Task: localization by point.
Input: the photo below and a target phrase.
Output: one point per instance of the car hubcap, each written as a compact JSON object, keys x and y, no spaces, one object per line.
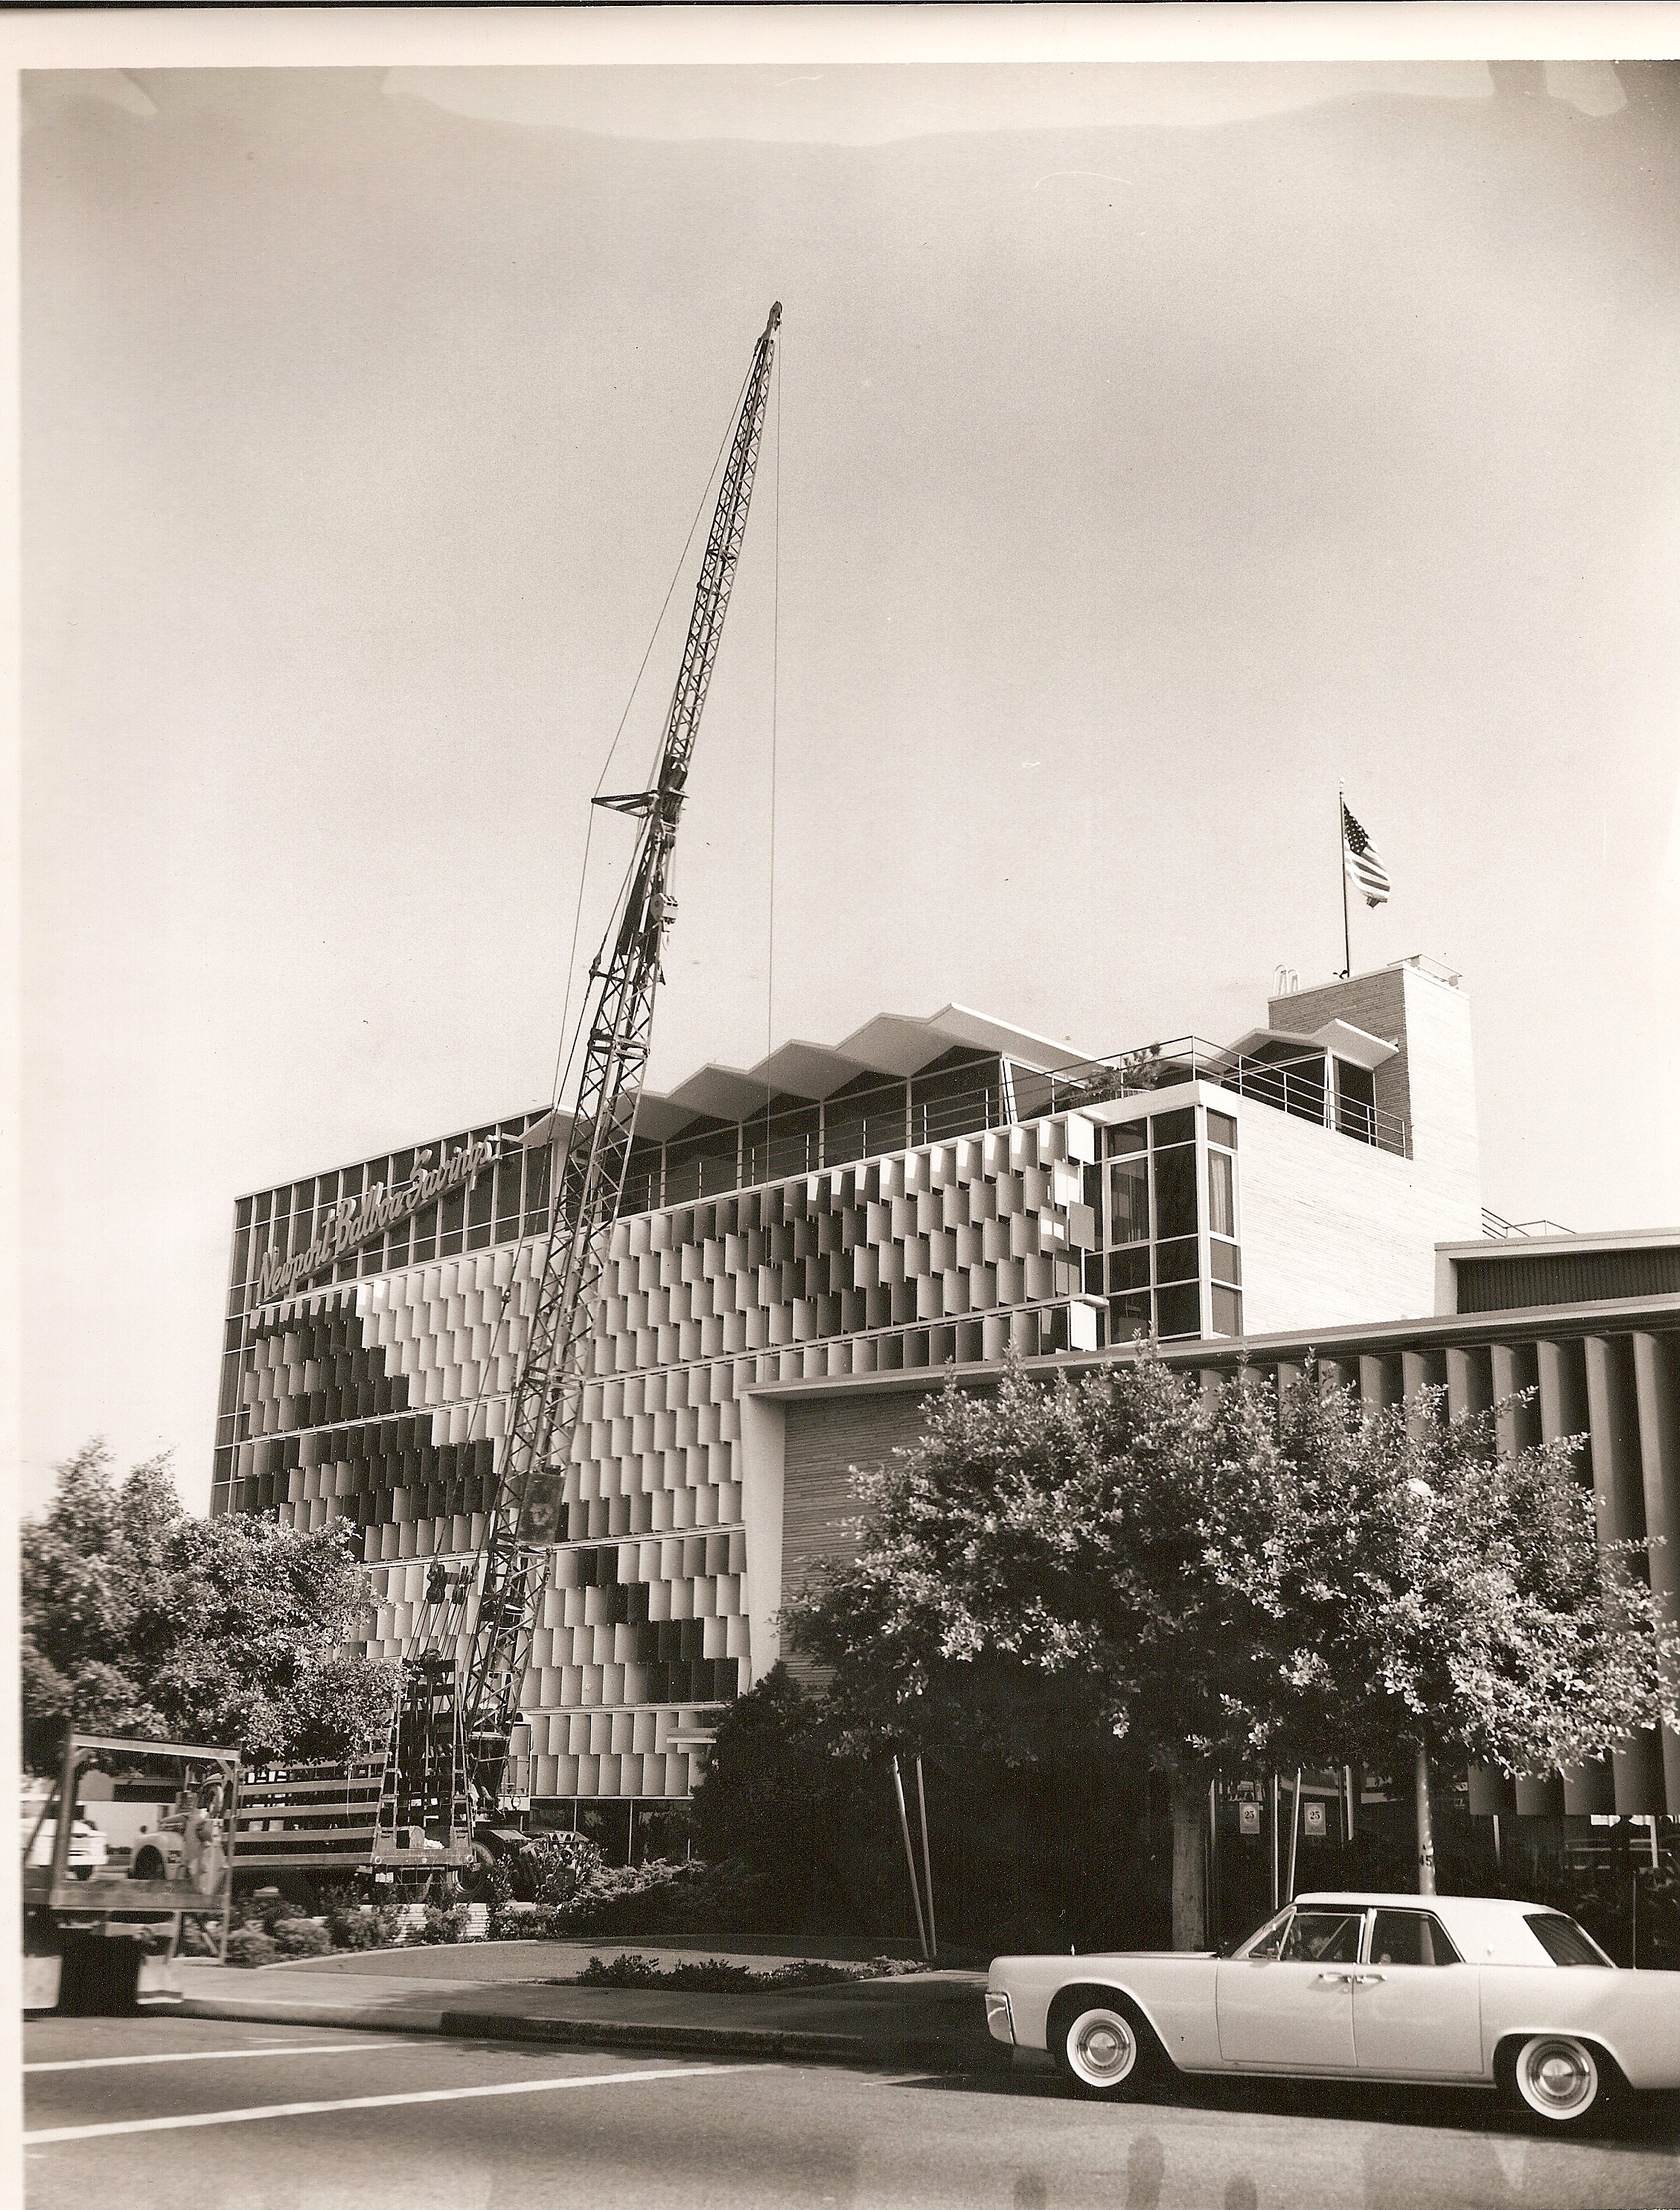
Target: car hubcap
{"x":1104,"y":2049}
{"x":1561,"y":2077}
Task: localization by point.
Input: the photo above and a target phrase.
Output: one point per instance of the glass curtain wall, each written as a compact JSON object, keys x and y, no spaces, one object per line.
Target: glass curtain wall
{"x":1170,"y":1189}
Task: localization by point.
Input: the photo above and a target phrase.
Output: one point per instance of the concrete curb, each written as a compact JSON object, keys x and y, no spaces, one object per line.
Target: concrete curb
{"x":792,"y":2044}
{"x":257,"y":2012}
{"x":789,"y":2044}
{"x":689,"y":2040}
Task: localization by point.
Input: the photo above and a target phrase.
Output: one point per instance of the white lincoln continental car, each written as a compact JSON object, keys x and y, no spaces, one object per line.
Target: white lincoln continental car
{"x":1456,"y":1989}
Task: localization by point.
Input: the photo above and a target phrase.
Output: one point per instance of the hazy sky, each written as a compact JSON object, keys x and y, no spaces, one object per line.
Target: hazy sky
{"x":1151,"y":447}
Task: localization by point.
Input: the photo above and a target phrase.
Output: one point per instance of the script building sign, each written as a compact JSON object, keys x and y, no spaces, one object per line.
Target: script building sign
{"x":354,"y":1221}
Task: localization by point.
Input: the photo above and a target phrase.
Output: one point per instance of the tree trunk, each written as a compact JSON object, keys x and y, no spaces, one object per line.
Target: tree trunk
{"x":1425,"y":1824}
{"x":1187,"y":1793}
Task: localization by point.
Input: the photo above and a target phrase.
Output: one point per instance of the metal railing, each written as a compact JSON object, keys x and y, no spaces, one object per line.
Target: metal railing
{"x":874,"y":1124}
{"x":1495,"y":1225}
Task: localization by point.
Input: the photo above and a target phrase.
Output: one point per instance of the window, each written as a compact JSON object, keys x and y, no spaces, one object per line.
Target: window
{"x":1411,"y":1937}
{"x":1128,"y":1135}
{"x":1222,"y":1129}
{"x":1128,"y":1201}
{"x":1129,"y":1270}
{"x":1323,"y":1937}
{"x":1176,"y":1192}
{"x":1226,"y":1260}
{"x":1227,"y":1310}
{"x":1269,"y":1940}
{"x":1128,"y":1316}
{"x":1166,"y":1128}
{"x":1177,"y":1261}
{"x":1564,"y":1942}
{"x":1222,"y":1193}
{"x":1178,"y":1311}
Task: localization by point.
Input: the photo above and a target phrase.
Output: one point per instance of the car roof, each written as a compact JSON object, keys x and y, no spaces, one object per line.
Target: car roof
{"x":1486,"y":1927}
{"x":1367,"y":1899}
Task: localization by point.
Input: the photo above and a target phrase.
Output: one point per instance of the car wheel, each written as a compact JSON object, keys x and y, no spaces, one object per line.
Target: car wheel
{"x":148,"y":1865}
{"x":1559,"y":2077}
{"x":1101,"y":2050}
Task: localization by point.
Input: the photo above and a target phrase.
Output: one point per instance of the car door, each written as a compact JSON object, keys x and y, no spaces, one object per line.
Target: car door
{"x":1288,"y":2005}
{"x":1416,"y":2005}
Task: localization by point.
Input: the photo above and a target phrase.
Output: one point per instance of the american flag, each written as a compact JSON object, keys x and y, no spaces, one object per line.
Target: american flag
{"x":1359,"y":857}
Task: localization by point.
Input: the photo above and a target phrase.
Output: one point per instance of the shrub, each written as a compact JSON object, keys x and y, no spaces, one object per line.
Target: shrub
{"x":302,"y":1937}
{"x":267,"y":1910}
{"x":357,"y":1929}
{"x":713,"y":1975}
{"x":551,"y":1868}
{"x":250,"y":1946}
{"x":628,"y":1899}
{"x":450,"y":1925}
{"x":718,"y":1976}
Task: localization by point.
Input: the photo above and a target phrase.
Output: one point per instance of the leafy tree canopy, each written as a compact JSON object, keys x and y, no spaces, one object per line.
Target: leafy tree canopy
{"x":139,"y":1618}
{"x":1229,"y":1583}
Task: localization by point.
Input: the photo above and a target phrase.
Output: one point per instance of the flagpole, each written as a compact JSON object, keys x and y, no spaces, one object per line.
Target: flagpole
{"x":1341,"y":839}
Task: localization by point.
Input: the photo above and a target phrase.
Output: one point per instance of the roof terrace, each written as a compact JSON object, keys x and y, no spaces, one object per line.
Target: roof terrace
{"x":967,"y":1091}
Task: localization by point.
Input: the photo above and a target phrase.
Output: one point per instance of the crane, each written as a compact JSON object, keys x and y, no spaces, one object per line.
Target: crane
{"x":446,"y":1765}
{"x":527,"y":1510}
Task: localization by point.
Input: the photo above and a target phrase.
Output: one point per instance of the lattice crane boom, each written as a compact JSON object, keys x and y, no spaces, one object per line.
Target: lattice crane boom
{"x":527,"y":1509}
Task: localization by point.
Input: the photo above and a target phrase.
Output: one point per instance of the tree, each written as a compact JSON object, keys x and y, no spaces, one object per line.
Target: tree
{"x":1449,"y":1601}
{"x":1224,"y":1586}
{"x":138,"y":1618}
{"x":1075,"y":1559}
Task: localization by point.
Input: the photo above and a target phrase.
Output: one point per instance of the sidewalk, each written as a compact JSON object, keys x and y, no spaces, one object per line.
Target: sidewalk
{"x":500,"y":1992}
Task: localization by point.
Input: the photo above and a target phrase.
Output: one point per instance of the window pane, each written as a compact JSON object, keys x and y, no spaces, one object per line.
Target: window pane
{"x":1227,"y":1310}
{"x":1222,"y":1129}
{"x":1221,"y":1193}
{"x":1270,"y":1939}
{"x":1177,"y":1261}
{"x":1173,"y":1127}
{"x":1324,"y":1937}
{"x":1128,"y":1201}
{"x":1225,"y":1260}
{"x":1129,"y":1135}
{"x":1129,"y":1270}
{"x":1176,"y":1192}
{"x":1564,"y":1942}
{"x":1411,"y":1937}
{"x":1128,"y":1316}
{"x":1178,"y":1312}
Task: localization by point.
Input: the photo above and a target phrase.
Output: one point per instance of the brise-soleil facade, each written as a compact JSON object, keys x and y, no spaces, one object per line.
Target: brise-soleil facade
{"x":829,"y":1231}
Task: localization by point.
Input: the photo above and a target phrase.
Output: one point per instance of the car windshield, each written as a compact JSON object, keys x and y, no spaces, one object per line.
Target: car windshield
{"x":1564,"y":1942}
{"x":1260,"y":1940}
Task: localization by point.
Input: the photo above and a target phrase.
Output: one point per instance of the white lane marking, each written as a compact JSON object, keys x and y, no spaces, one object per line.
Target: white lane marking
{"x":381,"y":2102}
{"x":254,"y":2050}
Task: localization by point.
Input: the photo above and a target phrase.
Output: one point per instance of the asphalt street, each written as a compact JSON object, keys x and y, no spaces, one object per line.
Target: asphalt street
{"x":179,"y":2113}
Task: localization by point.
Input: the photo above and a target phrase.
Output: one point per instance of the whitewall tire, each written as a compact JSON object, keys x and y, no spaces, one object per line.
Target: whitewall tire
{"x":1559,"y":2077}
{"x":1103,"y":2052}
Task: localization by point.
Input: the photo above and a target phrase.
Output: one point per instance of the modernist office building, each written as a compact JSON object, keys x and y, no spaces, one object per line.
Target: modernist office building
{"x":805,"y":1246}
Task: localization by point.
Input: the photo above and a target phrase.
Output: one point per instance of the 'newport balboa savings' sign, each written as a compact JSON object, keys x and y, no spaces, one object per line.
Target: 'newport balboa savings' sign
{"x":354,"y":1221}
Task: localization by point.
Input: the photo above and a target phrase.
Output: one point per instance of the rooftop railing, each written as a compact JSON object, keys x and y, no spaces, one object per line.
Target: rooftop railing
{"x":1495,"y":1225}
{"x":876,"y":1123}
